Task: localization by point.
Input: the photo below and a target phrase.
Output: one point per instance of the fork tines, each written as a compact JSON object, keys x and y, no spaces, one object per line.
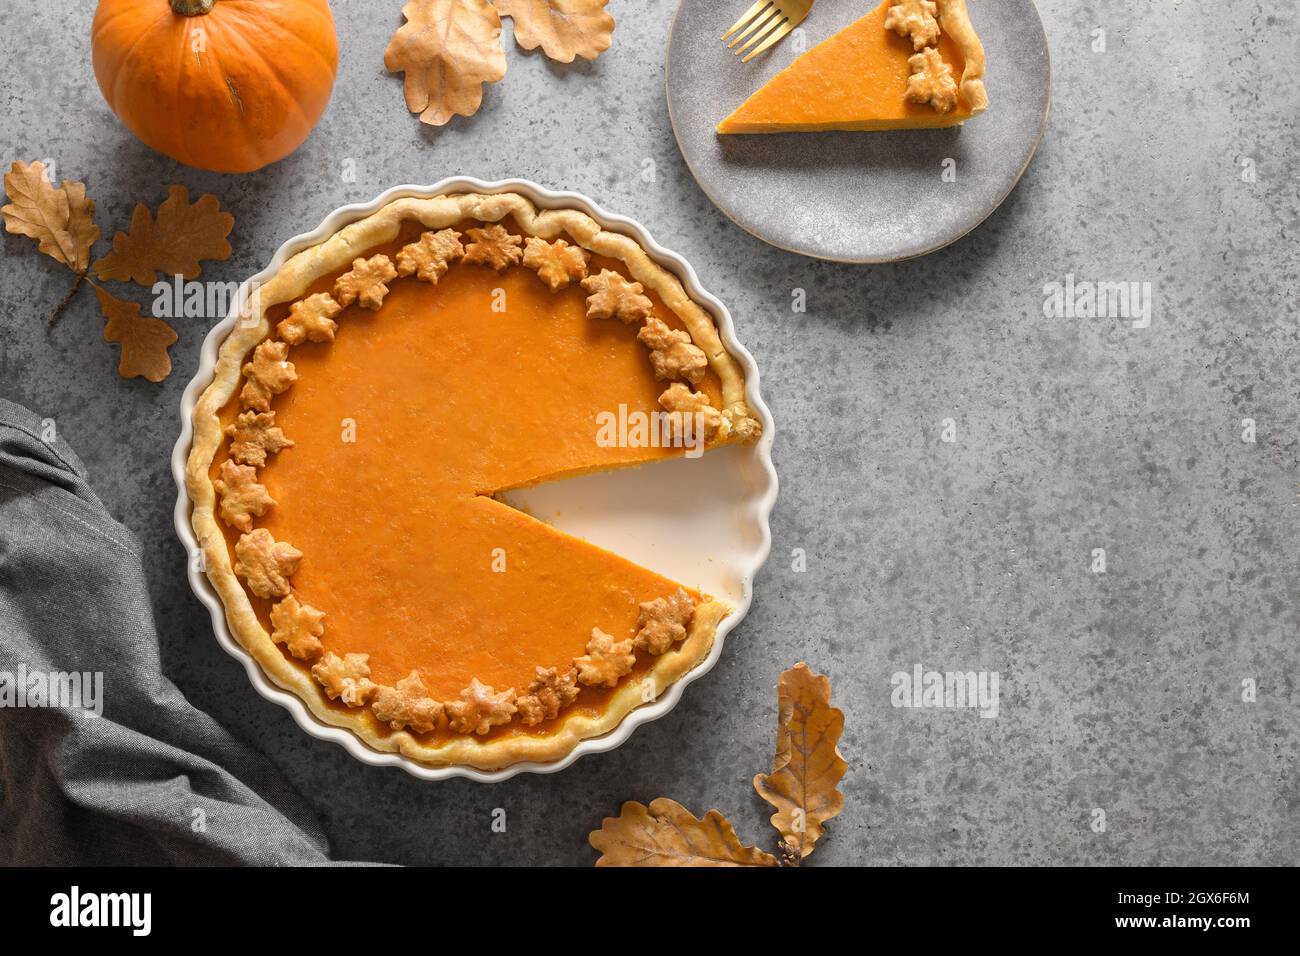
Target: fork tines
{"x":764,"y":24}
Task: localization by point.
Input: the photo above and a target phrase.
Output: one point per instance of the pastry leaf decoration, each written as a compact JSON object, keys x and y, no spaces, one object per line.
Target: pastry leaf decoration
{"x":808,"y":764}
{"x":172,"y":243}
{"x":667,"y":834}
{"x":931,"y":81}
{"x":447,"y":49}
{"x":802,"y":786}
{"x":915,"y":19}
{"x":562,"y":28}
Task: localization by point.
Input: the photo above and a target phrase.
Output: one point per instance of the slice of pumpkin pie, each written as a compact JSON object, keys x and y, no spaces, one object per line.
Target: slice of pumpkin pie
{"x":908,"y":64}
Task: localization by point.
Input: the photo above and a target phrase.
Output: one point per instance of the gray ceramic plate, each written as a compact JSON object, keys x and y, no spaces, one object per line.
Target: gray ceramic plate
{"x":855,"y":197}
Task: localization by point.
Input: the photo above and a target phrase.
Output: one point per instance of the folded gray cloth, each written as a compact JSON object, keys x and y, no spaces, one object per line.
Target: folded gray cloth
{"x":149,"y":780}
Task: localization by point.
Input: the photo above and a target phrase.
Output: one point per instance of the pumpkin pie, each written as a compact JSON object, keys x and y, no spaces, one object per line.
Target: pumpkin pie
{"x":908,"y":64}
{"x":379,"y":393}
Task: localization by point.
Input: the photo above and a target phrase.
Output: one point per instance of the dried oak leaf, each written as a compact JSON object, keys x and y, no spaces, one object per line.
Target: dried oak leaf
{"x":672,"y":353}
{"x":345,"y":679}
{"x":311,"y":319}
{"x":447,"y":50}
{"x":172,"y":243}
{"x":915,"y":19}
{"x":548,"y":692}
{"x":931,"y":81}
{"x":666,"y":834}
{"x":367,"y":283}
{"x":562,"y":28}
{"x":269,"y":374}
{"x":606,"y":660}
{"x":808,"y":764}
{"x":144,"y":339}
{"x":253,"y":436}
{"x":494,"y":247}
{"x":298,"y":627}
{"x":556,"y":263}
{"x":242,"y":497}
{"x":610,"y":296}
{"x":663,"y":622}
{"x":408,"y":704}
{"x":81,"y":223}
{"x":266,"y":564}
{"x":430,"y":256}
{"x":61,"y":220}
{"x":480,"y":708}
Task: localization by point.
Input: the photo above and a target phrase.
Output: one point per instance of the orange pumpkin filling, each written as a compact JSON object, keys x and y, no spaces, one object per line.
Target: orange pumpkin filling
{"x":404,"y":427}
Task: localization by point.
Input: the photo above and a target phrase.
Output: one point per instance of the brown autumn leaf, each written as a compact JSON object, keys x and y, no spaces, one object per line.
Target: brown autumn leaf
{"x":61,"y":219}
{"x":666,"y":834}
{"x":447,"y":50}
{"x":562,"y":28}
{"x":808,"y":764}
{"x":173,"y":243}
{"x":144,"y":340}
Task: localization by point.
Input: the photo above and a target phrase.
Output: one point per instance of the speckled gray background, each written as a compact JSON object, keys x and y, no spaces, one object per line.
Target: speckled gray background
{"x":1119,"y":691}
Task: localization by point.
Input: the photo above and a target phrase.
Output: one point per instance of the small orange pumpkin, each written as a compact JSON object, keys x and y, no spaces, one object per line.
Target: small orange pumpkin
{"x":226,"y":85}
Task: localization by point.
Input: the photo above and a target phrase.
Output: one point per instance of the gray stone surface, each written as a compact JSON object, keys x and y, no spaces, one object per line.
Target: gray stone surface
{"x":1120,"y":691}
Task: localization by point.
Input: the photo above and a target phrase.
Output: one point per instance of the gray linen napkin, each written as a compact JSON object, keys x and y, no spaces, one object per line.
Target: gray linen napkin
{"x":151,"y":780}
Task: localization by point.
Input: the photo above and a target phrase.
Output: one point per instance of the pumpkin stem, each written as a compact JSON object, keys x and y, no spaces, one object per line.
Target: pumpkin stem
{"x":192,"y":8}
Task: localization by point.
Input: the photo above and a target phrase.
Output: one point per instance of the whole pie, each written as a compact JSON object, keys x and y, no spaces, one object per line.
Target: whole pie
{"x":382,"y":390}
{"x":908,"y":64}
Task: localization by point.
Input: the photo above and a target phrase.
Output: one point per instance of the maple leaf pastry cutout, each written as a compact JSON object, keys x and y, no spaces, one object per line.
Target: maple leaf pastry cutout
{"x":480,"y":708}
{"x":242,"y":498}
{"x":408,"y":704}
{"x":610,"y":296}
{"x":663,"y":622}
{"x":266,"y":564}
{"x":672,"y":354}
{"x":310,"y":319}
{"x":269,"y":374}
{"x":61,"y":219}
{"x":605,"y":661}
{"x":562,"y":28}
{"x":931,"y":81}
{"x":298,"y":627}
{"x":345,"y":679}
{"x":556,"y":263}
{"x":680,"y":402}
{"x":549,"y":691}
{"x":173,"y":243}
{"x":429,"y":258}
{"x":367,"y":283}
{"x":494,"y":247}
{"x":253,"y":436}
{"x":915,"y":19}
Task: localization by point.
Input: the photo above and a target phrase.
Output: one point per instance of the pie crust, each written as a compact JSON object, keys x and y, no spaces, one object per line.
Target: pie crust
{"x":352,"y":704}
{"x":954,"y":17}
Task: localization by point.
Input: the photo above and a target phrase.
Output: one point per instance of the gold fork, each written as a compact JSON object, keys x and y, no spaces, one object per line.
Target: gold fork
{"x":766,"y":23}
